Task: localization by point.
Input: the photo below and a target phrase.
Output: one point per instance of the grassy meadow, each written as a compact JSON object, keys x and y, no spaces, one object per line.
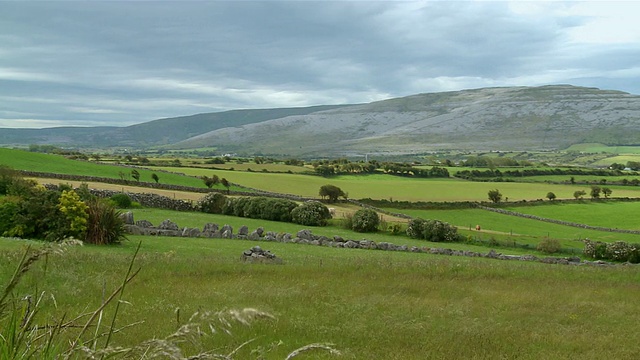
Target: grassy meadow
{"x":381,"y":186}
{"x":370,"y":304}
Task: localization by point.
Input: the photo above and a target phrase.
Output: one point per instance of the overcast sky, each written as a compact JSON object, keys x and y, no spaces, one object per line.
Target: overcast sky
{"x":119,"y":63}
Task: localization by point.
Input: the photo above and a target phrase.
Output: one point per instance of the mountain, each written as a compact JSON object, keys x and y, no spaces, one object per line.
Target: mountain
{"x":149,"y":134}
{"x":510,"y":118}
{"x":507,"y":118}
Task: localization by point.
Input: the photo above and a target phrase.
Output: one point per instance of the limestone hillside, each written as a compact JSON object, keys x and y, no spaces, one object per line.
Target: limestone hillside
{"x":510,"y":118}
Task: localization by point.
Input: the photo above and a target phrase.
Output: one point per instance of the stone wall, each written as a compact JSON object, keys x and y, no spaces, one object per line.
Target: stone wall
{"x":306,"y":237}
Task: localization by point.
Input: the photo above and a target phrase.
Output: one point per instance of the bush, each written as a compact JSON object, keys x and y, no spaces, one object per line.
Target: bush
{"x":432,"y":230}
{"x":549,"y":245}
{"x":122,"y":201}
{"x":311,"y":213}
{"x":75,"y":213}
{"x":104,"y":226}
{"x":7,"y":177}
{"x":8,"y":207}
{"x":260,"y":208}
{"x":212,"y":203}
{"x":365,"y":220}
{"x":438,"y":231}
{"x":415,"y":228}
{"x":616,"y":251}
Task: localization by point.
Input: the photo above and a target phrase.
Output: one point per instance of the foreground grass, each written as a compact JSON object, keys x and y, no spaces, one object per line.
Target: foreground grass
{"x":371,"y":304}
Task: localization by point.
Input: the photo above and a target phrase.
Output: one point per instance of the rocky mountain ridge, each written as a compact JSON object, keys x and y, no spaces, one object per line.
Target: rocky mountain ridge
{"x":507,"y":118}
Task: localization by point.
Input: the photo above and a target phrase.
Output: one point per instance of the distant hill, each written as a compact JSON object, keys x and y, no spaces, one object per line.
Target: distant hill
{"x":509,"y":118}
{"x":152,"y":133}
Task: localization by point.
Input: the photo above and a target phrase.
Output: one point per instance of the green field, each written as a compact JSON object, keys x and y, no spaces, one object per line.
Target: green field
{"x":600,"y":148}
{"x":620,"y":215}
{"x":23,"y":160}
{"x":400,"y":188}
{"x":521,"y":230}
{"x":370,"y":304}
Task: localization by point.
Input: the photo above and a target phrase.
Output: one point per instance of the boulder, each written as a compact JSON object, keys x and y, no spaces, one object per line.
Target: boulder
{"x":168,"y":225}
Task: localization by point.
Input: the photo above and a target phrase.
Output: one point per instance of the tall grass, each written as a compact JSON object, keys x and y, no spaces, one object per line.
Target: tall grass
{"x":370,"y":304}
{"x":29,"y":329}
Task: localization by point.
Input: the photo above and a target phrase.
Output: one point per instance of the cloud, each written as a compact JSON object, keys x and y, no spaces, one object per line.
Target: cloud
{"x":121,"y":63}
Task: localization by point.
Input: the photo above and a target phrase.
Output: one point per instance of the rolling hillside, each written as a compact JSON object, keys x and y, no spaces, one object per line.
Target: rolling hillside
{"x":511,"y":118}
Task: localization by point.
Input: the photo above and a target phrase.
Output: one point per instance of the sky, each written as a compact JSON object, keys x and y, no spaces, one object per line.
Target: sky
{"x":118,"y":63}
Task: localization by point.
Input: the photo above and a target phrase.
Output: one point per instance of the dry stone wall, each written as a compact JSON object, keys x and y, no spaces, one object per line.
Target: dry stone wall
{"x":306,"y":237}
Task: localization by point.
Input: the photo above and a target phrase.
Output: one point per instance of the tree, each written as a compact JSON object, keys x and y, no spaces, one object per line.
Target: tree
{"x":579,"y":194}
{"x":595,"y":191}
{"x":495,"y":196}
{"x":155,"y":177}
{"x":135,"y":174}
{"x":551,"y":196}
{"x":331,"y":192}
{"x":226,"y":184}
{"x":211,"y":181}
{"x":606,"y":191}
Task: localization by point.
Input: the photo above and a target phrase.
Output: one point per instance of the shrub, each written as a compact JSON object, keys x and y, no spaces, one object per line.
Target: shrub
{"x":549,"y":245}
{"x":8,"y":207}
{"x":7,"y":177}
{"x":75,"y":213}
{"x":311,"y":213}
{"x":438,"y":231}
{"x":212,"y":203}
{"x":365,"y":220}
{"x":104,"y":225}
{"x":616,"y":251}
{"x":415,"y":228}
{"x":432,"y":230}
{"x":122,"y":201}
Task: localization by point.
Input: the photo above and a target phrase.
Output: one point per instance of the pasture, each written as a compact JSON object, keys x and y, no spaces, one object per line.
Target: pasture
{"x":370,"y":304}
{"x":399,"y":188}
{"x":615,"y":215}
{"x":23,"y":160}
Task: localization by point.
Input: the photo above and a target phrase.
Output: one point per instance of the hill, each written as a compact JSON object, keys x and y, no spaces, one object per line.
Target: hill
{"x":149,"y":134}
{"x":516,"y":118}
{"x":509,"y":118}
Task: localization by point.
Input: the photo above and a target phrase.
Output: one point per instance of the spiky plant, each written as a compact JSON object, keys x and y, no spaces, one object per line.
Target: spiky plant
{"x":104,"y":226}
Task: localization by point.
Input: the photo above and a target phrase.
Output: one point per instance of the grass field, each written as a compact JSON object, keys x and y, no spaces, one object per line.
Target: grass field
{"x":400,"y":188}
{"x":370,"y":304}
{"x":617,"y":215}
{"x":600,"y":148}
{"x":521,"y":230}
{"x":23,"y":160}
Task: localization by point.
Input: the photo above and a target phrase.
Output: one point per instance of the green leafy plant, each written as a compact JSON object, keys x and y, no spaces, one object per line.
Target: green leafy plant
{"x":365,"y":220}
{"x":311,"y":213}
{"x":104,"y":225}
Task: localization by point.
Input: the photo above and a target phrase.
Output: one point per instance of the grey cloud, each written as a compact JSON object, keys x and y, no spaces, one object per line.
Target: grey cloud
{"x":128,"y":62}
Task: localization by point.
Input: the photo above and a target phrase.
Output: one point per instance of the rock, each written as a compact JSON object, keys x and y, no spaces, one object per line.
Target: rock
{"x":227,"y":229}
{"x":190,"y":232}
{"x":168,"y":225}
{"x":305,"y":234}
{"x":127,"y":218}
{"x":260,"y":231}
{"x":210,"y":228}
{"x":243,"y":230}
{"x":254,"y":236}
{"x":144,"y":224}
{"x":257,"y":254}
